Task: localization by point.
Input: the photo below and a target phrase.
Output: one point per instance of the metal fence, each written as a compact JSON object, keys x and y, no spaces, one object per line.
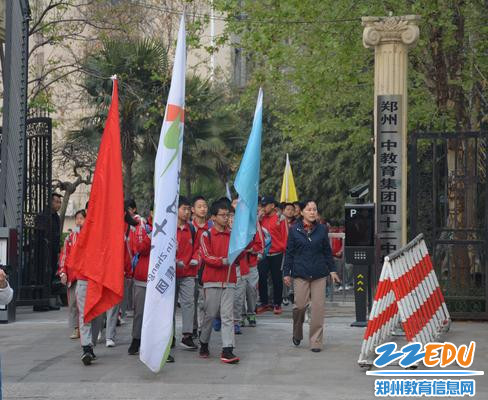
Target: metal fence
{"x":448,"y":203}
{"x":35,"y":283}
{"x":14,"y":118}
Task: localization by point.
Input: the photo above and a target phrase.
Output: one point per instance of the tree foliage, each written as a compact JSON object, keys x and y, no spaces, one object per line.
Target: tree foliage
{"x":318,"y":82}
{"x":142,"y":69}
{"x":144,"y":77}
{"x":211,"y":136}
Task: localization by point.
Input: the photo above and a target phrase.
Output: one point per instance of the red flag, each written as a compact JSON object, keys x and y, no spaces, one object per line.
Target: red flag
{"x":99,"y":251}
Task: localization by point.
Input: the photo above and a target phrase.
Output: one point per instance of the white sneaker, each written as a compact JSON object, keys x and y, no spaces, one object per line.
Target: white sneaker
{"x":110,"y":343}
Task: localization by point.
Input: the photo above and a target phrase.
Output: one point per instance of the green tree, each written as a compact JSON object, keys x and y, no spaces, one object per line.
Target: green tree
{"x":142,"y":69}
{"x":318,"y":82}
{"x":318,"y":79}
{"x":210,"y":134}
{"x":208,"y":152}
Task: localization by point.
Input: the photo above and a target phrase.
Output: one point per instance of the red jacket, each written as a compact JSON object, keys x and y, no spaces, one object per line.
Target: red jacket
{"x":278,"y":229}
{"x":65,"y":261}
{"x":336,"y":243}
{"x":140,"y":243}
{"x":128,"y":252}
{"x":185,"y":252}
{"x":198,"y":235}
{"x":254,"y":251}
{"x":214,"y":247}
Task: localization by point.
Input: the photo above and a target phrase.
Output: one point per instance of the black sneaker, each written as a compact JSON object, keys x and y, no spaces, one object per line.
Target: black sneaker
{"x":170,"y":359}
{"x":87,"y":356}
{"x":188,"y":343}
{"x":228,"y":356}
{"x":94,"y":357}
{"x":252,"y":321}
{"x":134,"y":347}
{"x":296,"y":342}
{"x":204,"y":353}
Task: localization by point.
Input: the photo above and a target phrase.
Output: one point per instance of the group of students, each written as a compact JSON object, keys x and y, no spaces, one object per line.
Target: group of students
{"x":212,"y":293}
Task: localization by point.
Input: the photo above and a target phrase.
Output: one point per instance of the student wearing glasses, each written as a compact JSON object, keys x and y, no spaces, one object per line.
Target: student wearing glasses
{"x":219,"y":282}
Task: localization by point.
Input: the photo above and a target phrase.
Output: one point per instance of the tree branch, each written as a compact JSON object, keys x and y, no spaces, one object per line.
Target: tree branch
{"x":52,"y":5}
{"x":41,"y":86}
{"x":54,"y":69}
{"x":48,"y":8}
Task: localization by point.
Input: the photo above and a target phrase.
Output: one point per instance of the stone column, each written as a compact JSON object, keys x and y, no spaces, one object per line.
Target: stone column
{"x":390,"y":37}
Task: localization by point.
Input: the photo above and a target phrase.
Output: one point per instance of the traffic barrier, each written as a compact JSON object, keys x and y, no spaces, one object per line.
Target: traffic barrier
{"x":408,"y":295}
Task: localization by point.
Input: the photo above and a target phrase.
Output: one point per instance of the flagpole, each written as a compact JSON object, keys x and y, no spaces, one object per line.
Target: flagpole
{"x":287,"y":193}
{"x":246,"y":185}
{"x":157,"y":325}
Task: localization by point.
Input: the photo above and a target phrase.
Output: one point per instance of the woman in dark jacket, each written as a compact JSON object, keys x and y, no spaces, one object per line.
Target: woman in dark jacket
{"x":308,"y":260}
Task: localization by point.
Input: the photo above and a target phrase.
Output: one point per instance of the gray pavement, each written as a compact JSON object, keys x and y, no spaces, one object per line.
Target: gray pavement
{"x":39,"y":361}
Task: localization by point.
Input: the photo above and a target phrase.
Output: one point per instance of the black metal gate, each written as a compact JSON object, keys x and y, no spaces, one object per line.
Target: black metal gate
{"x":15,"y":80}
{"x":35,"y":284}
{"x":448,"y":203}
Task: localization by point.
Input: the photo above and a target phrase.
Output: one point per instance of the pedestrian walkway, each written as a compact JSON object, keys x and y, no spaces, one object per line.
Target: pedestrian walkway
{"x":39,"y":361}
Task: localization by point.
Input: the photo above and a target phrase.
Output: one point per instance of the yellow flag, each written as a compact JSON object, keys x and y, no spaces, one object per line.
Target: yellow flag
{"x":288,"y":189}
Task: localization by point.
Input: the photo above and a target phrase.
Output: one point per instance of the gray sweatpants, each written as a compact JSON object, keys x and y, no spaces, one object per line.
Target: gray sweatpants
{"x":252,"y":280}
{"x":128,"y":302}
{"x":185,"y":295}
{"x":88,"y":330}
{"x":139,"y":298}
{"x":198,"y":318}
{"x":239,"y":296}
{"x":112,"y":315}
{"x":216,"y":299}
{"x":73,"y":315}
{"x":201,"y":307}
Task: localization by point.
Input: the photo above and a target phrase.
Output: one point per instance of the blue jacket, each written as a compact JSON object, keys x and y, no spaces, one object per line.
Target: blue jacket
{"x":308,"y":254}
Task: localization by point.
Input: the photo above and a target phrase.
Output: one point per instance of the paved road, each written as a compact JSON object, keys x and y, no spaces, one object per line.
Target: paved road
{"x":39,"y":361}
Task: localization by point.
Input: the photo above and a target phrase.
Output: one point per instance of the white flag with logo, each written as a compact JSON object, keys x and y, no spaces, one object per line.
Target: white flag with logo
{"x":157,"y":325}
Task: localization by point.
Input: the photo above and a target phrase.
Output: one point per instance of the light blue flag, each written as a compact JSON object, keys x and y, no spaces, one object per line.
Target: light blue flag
{"x":247,"y":187}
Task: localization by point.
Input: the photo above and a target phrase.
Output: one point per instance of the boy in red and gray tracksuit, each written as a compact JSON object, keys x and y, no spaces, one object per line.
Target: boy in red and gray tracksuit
{"x":186,"y":271}
{"x":219,"y":281}
{"x":88,"y":330}
{"x":139,"y":249}
{"x":278,"y":229}
{"x":246,"y":293}
{"x":68,"y":276}
{"x":200,"y":225}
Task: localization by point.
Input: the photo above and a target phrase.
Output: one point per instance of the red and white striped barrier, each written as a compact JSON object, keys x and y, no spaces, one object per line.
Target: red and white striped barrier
{"x":408,"y":293}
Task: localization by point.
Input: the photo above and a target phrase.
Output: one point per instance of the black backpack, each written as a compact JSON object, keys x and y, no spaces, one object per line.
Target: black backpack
{"x":193,"y":233}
